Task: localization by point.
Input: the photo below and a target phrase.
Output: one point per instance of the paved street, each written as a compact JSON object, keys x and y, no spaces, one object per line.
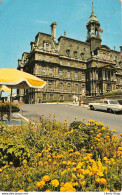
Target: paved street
{"x":65,"y":112}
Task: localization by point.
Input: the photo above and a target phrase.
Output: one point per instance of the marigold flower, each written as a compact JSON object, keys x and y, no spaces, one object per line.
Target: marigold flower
{"x":46,"y":178}
{"x":40,"y":163}
{"x":67,"y":187}
{"x":91,"y":131}
{"x":40,"y":184}
{"x":64,"y":162}
{"x":21,"y":190}
{"x":55,"y":183}
{"x":103,"y":128}
{"x":47,"y":191}
{"x":77,"y":153}
{"x":114,"y":130}
{"x":11,"y":163}
{"x":69,"y":163}
{"x":82,"y":183}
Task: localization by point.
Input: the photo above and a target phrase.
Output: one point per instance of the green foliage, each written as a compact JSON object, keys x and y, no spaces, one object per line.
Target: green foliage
{"x":112,"y":93}
{"x":82,"y":157}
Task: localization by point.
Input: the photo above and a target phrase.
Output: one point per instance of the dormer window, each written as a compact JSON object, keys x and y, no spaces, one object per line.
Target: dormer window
{"x":75,"y":54}
{"x":67,"y":52}
{"x":47,"y":46}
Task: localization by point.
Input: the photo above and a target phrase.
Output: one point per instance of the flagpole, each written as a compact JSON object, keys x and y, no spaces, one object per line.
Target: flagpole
{"x":10,"y":104}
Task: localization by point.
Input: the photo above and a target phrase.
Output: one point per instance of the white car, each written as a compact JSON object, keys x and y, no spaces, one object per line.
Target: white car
{"x":106,"y":105}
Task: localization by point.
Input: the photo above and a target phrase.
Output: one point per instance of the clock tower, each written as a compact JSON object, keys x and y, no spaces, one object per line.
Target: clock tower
{"x":93,"y":29}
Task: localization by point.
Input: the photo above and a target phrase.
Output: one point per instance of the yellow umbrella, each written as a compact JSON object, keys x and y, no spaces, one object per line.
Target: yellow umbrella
{"x":18,"y":79}
{"x":5,"y":88}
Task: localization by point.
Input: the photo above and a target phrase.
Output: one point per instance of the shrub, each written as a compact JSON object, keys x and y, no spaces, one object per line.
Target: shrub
{"x":51,"y":156}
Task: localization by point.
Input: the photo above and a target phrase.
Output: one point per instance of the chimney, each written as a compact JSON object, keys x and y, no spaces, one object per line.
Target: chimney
{"x":53,"y":30}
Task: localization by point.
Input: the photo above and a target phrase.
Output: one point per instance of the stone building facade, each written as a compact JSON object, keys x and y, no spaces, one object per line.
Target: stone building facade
{"x":71,"y":67}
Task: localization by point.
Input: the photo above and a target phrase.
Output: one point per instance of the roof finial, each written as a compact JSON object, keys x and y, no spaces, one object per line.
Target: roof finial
{"x":92,"y":8}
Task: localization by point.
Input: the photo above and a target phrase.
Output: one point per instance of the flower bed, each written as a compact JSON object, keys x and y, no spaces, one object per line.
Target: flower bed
{"x":5,"y":107}
{"x":50,"y":156}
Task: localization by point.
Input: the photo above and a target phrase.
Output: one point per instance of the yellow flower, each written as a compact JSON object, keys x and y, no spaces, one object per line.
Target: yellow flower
{"x":91,"y":131}
{"x":0,"y":170}
{"x":55,"y":183}
{"x":82,"y":183}
{"x":21,"y":190}
{"x":47,"y":191}
{"x":46,"y":178}
{"x":100,"y":124}
{"x":40,"y":163}
{"x":114,"y":130}
{"x":74,"y":168}
{"x":70,"y":150}
{"x":77,"y":153}
{"x":7,"y":176}
{"x":46,"y":162}
{"x":63,"y":172}
{"x":39,"y":154}
{"x":103,"y":128}
{"x":69,"y":163}
{"x":50,"y":160}
{"x":40,"y":184}
{"x":67,"y":187}
{"x":24,"y":162}
{"x":74,"y":177}
{"x":75,"y":184}
{"x":106,"y":190}
{"x":11,"y":163}
{"x":54,"y":162}
{"x":64,"y":162}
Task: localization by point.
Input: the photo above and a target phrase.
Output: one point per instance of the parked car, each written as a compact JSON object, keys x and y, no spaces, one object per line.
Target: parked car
{"x":106,"y":105}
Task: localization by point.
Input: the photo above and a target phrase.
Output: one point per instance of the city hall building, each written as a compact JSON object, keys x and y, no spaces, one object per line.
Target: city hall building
{"x":71,"y":67}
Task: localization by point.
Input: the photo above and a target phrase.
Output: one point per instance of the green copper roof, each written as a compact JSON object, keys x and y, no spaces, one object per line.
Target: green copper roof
{"x":93,"y":18}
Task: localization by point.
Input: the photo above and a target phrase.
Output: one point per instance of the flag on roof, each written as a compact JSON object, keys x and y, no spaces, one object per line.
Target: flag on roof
{"x":100,"y":30}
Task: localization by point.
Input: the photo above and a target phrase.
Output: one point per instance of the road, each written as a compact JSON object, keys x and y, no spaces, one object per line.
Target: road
{"x":65,"y":112}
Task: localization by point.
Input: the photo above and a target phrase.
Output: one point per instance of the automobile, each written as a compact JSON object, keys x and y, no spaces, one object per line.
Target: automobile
{"x":111,"y":106}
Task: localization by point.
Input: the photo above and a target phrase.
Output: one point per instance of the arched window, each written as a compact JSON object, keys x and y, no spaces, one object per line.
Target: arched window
{"x":69,"y":87}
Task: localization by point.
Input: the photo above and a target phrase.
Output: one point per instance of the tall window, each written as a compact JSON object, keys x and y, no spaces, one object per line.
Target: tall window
{"x":50,"y":85}
{"x":69,"y":87}
{"x":61,"y":86}
{"x":43,"y":70}
{"x":68,"y":75}
{"x":50,"y":71}
{"x":60,"y":72}
{"x":61,"y":62}
{"x":43,"y":57}
{"x":76,"y":87}
{"x":76,"y":75}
